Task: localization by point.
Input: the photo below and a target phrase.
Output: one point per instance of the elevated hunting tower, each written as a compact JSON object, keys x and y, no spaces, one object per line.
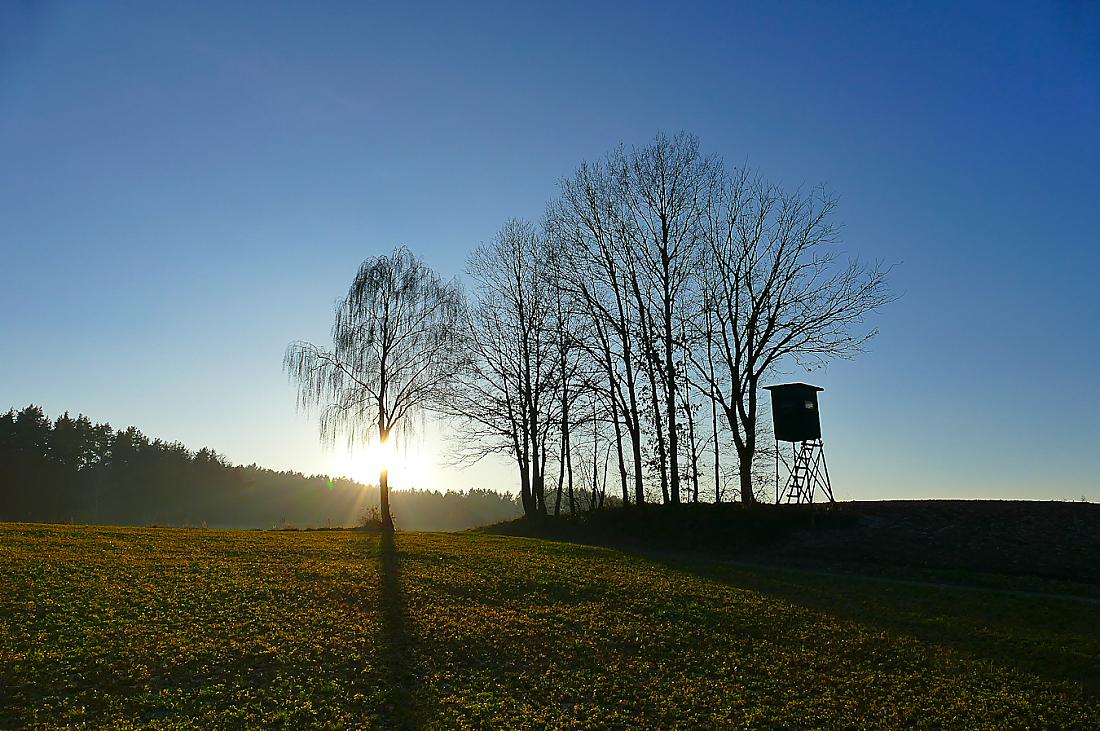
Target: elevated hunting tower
{"x":795,"y":419}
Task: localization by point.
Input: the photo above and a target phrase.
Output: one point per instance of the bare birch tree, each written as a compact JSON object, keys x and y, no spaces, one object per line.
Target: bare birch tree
{"x":394,"y":351}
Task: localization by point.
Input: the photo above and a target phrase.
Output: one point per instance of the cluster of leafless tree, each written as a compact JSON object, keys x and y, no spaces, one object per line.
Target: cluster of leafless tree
{"x":616,"y":350}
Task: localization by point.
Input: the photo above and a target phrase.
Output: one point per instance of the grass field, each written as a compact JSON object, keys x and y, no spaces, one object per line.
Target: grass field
{"x":171,"y":628}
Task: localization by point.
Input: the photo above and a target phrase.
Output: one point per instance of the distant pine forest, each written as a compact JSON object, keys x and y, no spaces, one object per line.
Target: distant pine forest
{"x":73,"y":470}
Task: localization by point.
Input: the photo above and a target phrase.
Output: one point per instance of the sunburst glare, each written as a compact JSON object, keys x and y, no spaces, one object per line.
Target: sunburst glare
{"x":408,"y":468}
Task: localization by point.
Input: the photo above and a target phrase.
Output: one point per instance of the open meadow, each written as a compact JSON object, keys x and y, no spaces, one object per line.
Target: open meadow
{"x":176,"y":628}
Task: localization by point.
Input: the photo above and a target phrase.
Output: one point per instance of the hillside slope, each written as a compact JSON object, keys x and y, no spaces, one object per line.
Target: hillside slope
{"x":1052,"y":540}
{"x":174,"y":628}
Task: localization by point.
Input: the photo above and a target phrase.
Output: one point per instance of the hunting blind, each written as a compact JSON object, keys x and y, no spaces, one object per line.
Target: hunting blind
{"x":795,"y":419}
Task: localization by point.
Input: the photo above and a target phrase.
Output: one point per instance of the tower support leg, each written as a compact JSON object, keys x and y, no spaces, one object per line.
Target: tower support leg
{"x":808,"y":474}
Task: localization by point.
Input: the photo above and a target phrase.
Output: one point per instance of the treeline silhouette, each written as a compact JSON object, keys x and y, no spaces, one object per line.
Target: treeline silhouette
{"x":73,"y":470}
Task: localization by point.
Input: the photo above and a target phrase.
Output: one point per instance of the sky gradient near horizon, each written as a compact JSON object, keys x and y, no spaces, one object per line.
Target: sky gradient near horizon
{"x":185,"y":189}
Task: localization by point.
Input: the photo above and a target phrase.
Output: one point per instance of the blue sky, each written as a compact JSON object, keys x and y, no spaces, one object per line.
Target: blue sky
{"x":184,"y":188}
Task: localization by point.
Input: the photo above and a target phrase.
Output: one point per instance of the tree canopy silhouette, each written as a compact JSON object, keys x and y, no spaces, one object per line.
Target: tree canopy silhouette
{"x":395,"y":348}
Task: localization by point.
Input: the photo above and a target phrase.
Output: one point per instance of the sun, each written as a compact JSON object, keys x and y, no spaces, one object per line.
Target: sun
{"x":407,"y":467}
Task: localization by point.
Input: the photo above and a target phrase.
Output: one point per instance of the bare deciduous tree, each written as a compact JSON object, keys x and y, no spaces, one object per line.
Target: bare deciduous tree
{"x":585,"y":223}
{"x":507,"y":400}
{"x":666,"y":189}
{"x":780,"y":293}
{"x":393,"y":356}
{"x":573,"y":380}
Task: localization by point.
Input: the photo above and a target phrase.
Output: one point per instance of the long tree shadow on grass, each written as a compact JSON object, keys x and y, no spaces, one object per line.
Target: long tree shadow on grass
{"x":1046,"y":637}
{"x":401,"y":707}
